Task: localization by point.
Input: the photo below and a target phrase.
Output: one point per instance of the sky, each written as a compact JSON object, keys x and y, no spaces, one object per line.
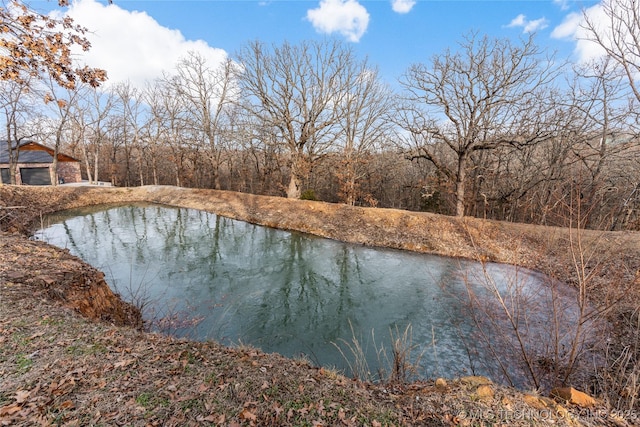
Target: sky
{"x":136,"y":41}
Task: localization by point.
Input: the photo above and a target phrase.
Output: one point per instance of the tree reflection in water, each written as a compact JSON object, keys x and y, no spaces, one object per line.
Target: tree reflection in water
{"x":208,"y":277}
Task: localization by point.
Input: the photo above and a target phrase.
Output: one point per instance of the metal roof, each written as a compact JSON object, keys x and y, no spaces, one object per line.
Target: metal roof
{"x":26,"y":156}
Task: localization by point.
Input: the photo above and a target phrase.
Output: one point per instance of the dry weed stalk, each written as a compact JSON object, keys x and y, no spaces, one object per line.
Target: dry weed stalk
{"x":619,"y":380}
{"x":395,"y":365}
{"x":403,"y":366}
{"x":357,"y":359}
{"x":505,"y":317}
{"x":550,"y":336}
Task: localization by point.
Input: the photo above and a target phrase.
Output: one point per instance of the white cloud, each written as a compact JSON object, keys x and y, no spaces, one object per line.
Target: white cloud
{"x":535,"y":25}
{"x":573,"y":28}
{"x":527,"y":25}
{"x":402,"y":6}
{"x":347,"y":17}
{"x":568,"y":27}
{"x":563,"y":4}
{"x":518,"y":21}
{"x":132,"y":45}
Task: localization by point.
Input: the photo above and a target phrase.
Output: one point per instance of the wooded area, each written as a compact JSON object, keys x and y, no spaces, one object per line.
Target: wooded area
{"x":494,"y":129}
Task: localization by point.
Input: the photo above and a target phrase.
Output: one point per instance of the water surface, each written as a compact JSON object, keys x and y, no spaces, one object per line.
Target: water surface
{"x":204,"y":276}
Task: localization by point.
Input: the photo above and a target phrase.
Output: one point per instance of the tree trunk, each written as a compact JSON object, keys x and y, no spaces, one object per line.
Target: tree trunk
{"x":178,"y":170}
{"x":294,"y":191}
{"x":53,"y":172}
{"x":96,"y":164}
{"x":87,"y":164}
{"x":460,"y":178}
{"x":295,"y":180}
{"x":140,"y":169}
{"x":154,"y":167}
{"x":12,"y":173}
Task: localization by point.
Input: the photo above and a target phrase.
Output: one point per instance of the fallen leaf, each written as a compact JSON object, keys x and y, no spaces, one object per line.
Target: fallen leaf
{"x":247,"y":415}
{"x":210,"y":419}
{"x":67,"y":404}
{"x":22,"y":396}
{"x":124,"y":363}
{"x":9,"y":409}
{"x":278,"y":409}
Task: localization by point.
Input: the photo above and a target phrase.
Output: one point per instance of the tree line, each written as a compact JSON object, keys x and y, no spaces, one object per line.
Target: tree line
{"x":494,"y":128}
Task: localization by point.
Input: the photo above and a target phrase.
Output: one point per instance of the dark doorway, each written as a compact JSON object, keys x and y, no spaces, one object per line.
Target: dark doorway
{"x":35,"y":176}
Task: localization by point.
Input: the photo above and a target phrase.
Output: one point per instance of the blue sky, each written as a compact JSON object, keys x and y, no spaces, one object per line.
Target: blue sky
{"x":136,"y":40}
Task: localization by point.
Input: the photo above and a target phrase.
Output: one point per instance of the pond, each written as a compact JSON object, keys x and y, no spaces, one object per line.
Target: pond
{"x":204,"y":276}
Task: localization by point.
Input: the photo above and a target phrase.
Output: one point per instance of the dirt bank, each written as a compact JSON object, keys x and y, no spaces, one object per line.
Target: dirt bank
{"x":59,"y":368}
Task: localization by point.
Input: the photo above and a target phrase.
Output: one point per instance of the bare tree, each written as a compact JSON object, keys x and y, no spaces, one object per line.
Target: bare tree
{"x":89,"y":130}
{"x":64,"y":105}
{"x":293,"y":90}
{"x":206,"y":92}
{"x":486,"y":95}
{"x":619,"y":36}
{"x":533,"y":184}
{"x":601,"y":99}
{"x":16,"y":105}
{"x":127,"y":117}
{"x":154,"y":130}
{"x":364,"y":126}
{"x":169,"y":113}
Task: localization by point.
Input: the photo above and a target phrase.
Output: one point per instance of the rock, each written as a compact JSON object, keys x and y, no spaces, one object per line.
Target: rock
{"x":573,"y":396}
{"x":534,"y":401}
{"x":485,"y":391}
{"x":475,"y":381}
{"x":441,"y":383}
{"x":482,"y":385}
{"x":562,"y":411}
{"x":506,"y":403}
{"x":544,"y":403}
